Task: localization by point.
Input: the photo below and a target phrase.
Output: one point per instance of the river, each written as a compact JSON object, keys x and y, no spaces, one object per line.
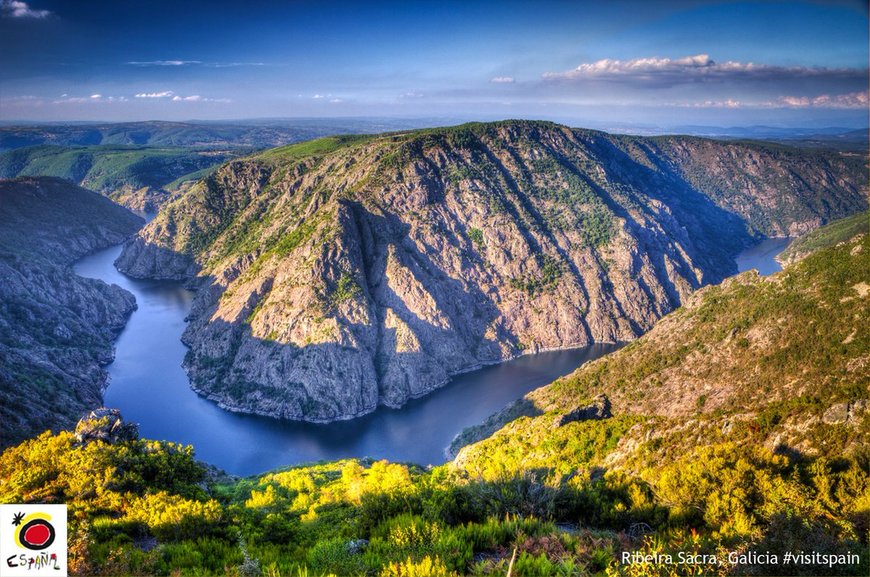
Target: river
{"x":149,"y":386}
{"x":762,"y":256}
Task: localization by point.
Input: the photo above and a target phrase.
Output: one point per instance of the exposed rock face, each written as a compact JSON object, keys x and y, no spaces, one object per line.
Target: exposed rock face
{"x":56,"y":328}
{"x":141,"y":260}
{"x":846,"y":412}
{"x":145,"y":199}
{"x":597,"y":410}
{"x":105,"y":425}
{"x":347,"y":273}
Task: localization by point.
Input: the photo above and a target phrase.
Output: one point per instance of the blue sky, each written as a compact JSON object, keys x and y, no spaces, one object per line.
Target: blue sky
{"x":665,"y":63}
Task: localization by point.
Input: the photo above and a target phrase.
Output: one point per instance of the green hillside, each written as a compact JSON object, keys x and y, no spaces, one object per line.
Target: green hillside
{"x":116,"y":171}
{"x":763,"y":449}
{"x":828,"y":235}
{"x":213,"y":135}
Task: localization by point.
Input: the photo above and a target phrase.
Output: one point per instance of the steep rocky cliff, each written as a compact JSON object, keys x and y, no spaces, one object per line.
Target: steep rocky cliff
{"x":345,"y":273}
{"x":56,"y":328}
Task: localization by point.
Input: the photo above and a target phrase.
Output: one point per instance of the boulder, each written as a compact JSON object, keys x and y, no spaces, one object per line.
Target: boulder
{"x":597,"y":410}
{"x":105,"y":425}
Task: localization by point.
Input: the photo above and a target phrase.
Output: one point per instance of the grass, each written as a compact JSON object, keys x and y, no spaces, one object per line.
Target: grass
{"x":313,"y":148}
{"x":827,"y":236}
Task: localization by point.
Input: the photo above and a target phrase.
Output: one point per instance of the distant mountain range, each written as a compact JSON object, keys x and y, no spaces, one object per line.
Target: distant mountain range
{"x":270,"y":132}
{"x":263,"y":133}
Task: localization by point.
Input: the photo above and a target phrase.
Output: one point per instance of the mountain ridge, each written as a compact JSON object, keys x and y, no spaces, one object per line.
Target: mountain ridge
{"x":344,"y":273}
{"x":57,"y":327}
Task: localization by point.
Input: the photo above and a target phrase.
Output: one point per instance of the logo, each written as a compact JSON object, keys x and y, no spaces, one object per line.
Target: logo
{"x":36,"y":532}
{"x":33,"y":540}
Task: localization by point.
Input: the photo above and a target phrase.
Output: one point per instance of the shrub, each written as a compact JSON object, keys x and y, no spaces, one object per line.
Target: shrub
{"x":426,"y":567}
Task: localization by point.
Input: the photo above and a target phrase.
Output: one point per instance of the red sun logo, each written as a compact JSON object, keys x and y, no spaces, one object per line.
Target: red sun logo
{"x":36,"y":533}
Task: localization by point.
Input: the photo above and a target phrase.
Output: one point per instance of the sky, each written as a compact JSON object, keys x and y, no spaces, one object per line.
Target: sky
{"x":677,"y":62}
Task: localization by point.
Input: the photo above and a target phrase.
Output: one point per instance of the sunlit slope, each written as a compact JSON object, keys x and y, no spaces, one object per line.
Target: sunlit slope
{"x":779,"y":362}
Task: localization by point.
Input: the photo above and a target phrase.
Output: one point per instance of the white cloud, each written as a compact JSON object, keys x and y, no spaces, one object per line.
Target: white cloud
{"x":93,"y":98}
{"x":179,"y":98}
{"x":194,"y":63}
{"x":198,"y":98}
{"x":502,"y":80}
{"x":610,"y":67}
{"x":318,"y":97}
{"x":164,"y":94}
{"x":729,"y":103}
{"x":852,"y":100}
{"x":165,"y":63}
{"x":19,"y":9}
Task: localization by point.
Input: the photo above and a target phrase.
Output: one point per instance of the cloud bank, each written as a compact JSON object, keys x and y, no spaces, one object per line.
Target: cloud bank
{"x":700,"y":68}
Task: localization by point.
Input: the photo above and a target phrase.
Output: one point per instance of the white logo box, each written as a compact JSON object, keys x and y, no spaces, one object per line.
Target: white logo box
{"x":33,"y":540}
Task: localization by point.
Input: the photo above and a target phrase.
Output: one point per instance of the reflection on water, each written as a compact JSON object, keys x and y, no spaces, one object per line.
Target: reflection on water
{"x":149,"y":386}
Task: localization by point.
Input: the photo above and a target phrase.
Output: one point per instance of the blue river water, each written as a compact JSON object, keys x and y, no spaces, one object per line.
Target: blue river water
{"x":149,"y":386}
{"x":762,"y":256}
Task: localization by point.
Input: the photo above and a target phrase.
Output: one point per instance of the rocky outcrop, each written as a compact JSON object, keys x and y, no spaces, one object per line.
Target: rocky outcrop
{"x":348,"y":273}
{"x":850,"y":413}
{"x":597,"y":410}
{"x":56,"y":328}
{"x":105,"y":425}
{"x":140,"y":260}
